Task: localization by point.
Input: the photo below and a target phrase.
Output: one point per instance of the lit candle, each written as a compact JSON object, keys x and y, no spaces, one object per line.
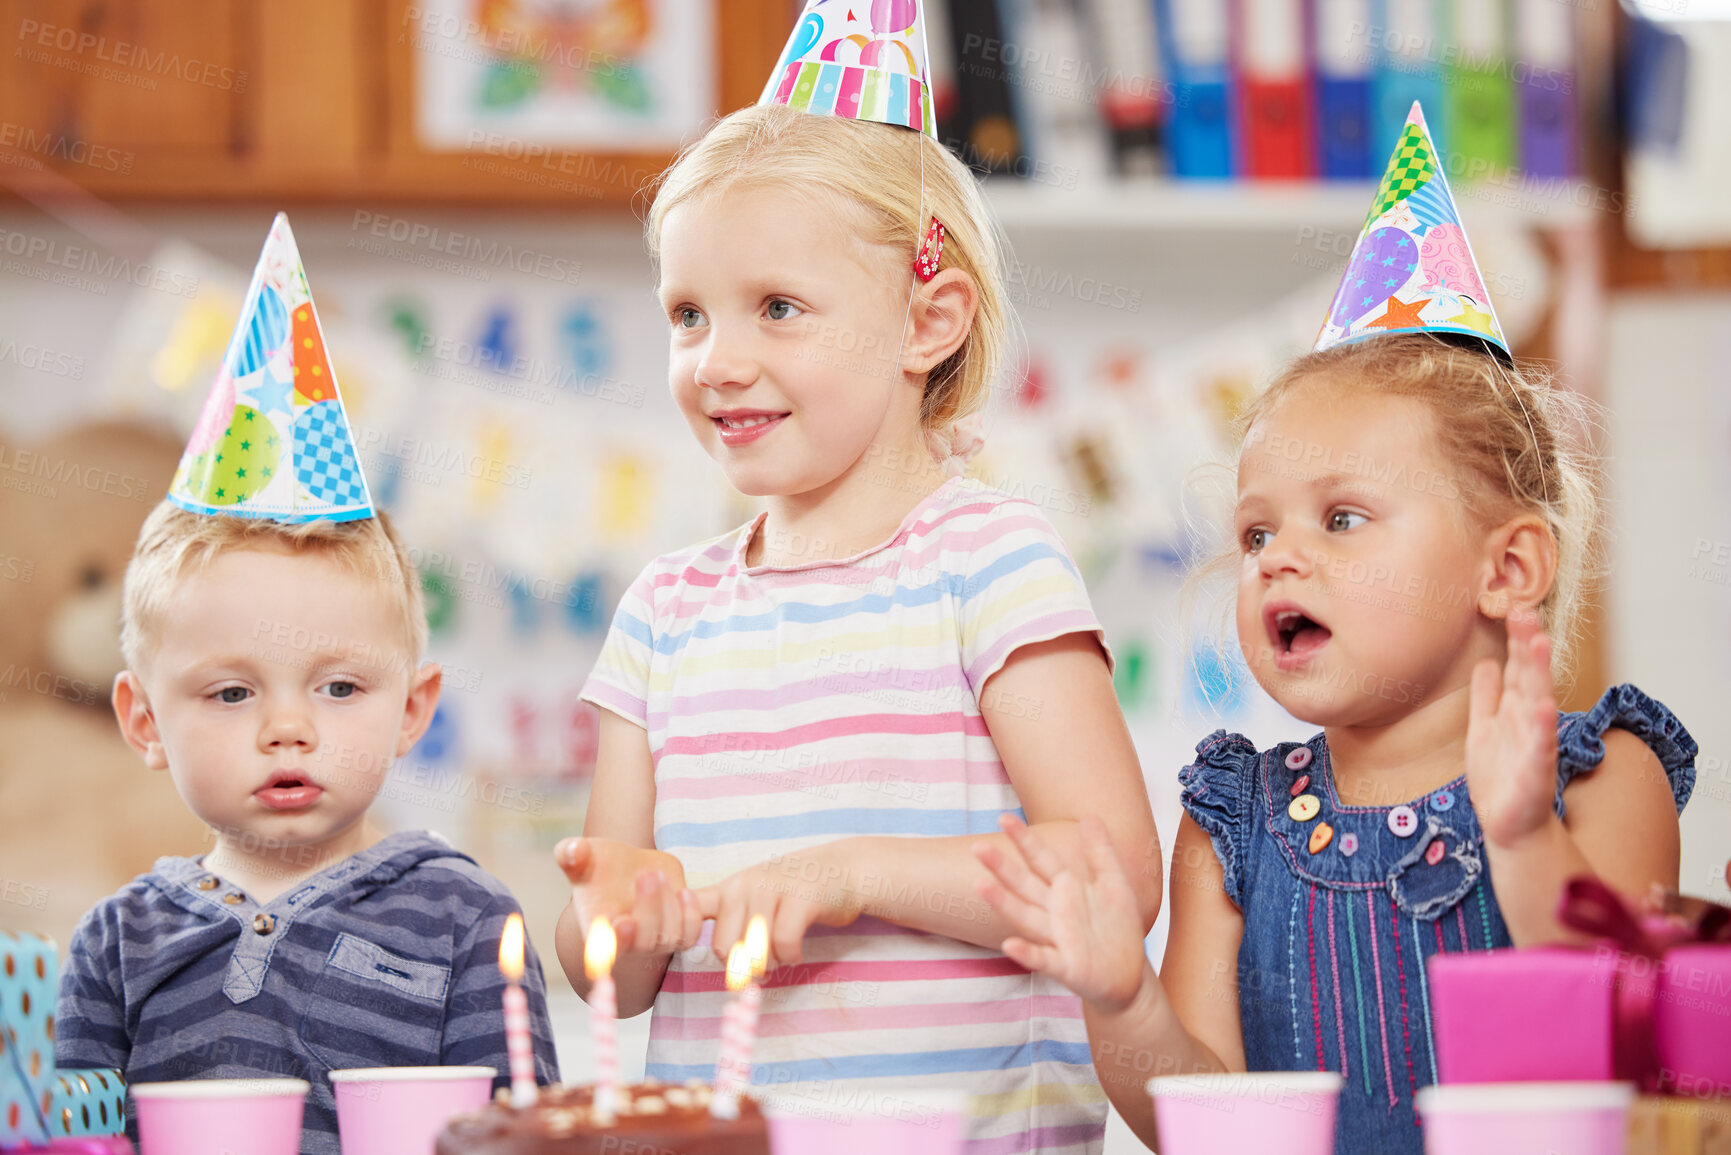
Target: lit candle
{"x":746,"y":963}
{"x":517,"y":1039}
{"x":598,"y":951}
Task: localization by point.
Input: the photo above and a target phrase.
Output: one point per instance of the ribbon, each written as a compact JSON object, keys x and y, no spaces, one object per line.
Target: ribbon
{"x":1589,"y":906}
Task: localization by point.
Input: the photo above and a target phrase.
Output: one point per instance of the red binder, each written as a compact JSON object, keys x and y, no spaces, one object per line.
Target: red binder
{"x":1274,"y":89}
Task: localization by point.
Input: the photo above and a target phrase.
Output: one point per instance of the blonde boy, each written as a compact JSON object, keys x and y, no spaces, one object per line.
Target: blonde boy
{"x":274,"y":671}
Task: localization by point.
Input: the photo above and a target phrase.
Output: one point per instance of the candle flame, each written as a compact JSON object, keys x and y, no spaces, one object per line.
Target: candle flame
{"x":511,"y":948}
{"x":599,"y":949}
{"x":749,"y":957}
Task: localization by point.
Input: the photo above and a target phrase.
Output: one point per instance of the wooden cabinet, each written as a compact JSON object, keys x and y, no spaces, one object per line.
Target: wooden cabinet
{"x":285,"y":99}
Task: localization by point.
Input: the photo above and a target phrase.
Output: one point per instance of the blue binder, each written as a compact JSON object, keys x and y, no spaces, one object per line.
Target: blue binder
{"x":1193,"y":37}
{"x":1342,"y":49}
{"x":1408,"y":68}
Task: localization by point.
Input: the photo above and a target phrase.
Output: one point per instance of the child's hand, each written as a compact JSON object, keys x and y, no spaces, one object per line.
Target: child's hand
{"x":789,"y":905}
{"x":1076,"y":914}
{"x":1512,"y":736}
{"x":650,"y":912}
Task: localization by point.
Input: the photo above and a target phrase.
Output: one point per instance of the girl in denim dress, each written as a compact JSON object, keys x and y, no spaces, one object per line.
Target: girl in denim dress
{"x":1413,"y":534}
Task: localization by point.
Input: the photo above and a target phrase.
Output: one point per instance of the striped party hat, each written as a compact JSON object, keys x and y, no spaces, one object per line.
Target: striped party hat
{"x":861,"y":59}
{"x":1412,"y":270}
{"x":273,"y":440}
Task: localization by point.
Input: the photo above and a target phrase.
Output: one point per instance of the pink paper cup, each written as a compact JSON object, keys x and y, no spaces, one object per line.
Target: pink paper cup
{"x":220,"y":1116}
{"x":858,"y":1119}
{"x":401,"y":1110}
{"x":1287,"y":1111}
{"x":1515,"y":1118}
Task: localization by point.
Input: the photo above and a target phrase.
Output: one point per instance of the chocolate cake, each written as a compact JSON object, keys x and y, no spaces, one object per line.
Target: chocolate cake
{"x":652,"y":1119}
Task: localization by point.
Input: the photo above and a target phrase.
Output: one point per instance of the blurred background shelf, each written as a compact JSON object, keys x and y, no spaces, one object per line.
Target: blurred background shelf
{"x":1167,"y":204}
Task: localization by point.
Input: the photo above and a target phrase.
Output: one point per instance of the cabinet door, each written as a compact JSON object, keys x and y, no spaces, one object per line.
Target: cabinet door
{"x":159,"y":78}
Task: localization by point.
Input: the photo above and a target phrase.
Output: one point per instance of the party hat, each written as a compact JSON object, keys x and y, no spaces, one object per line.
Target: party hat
{"x":860,"y":59}
{"x":273,"y":440}
{"x":1412,"y":270}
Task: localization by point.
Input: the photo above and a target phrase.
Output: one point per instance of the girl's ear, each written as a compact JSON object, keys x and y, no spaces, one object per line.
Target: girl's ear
{"x":940,"y":320}
{"x":1521,"y":566}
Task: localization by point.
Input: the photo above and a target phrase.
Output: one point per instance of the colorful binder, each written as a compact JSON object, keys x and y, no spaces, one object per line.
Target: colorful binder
{"x":1196,"y":38}
{"x":1480,"y":97}
{"x":1274,"y":97}
{"x":1405,"y":50}
{"x":1341,"y":50}
{"x":1545,"y":46}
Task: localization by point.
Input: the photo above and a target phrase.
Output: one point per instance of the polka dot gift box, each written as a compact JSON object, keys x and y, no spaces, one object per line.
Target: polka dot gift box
{"x":38,"y":1103}
{"x":273,"y":440}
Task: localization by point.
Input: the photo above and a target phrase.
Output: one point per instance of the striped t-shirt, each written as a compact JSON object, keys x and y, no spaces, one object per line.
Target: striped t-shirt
{"x":788,"y":707}
{"x":390,"y":958}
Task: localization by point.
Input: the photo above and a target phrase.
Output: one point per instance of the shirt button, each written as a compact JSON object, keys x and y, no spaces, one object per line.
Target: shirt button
{"x":1403,"y":820}
{"x":234,"y":899}
{"x":1433,"y":853}
{"x":1349,"y":844}
{"x":1298,"y":785}
{"x":208,"y":883}
{"x":1298,"y":758}
{"x":263,"y":923}
{"x":1320,"y":837}
{"x":1304,"y":808}
{"x":1442,"y":800}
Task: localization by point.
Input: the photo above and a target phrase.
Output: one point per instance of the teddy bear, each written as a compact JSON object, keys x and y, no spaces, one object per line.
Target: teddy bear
{"x":80,"y":814}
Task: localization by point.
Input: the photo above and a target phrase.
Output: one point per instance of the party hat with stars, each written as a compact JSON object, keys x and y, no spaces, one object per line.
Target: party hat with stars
{"x":1412,"y":270}
{"x":273,"y":440}
{"x":860,"y":59}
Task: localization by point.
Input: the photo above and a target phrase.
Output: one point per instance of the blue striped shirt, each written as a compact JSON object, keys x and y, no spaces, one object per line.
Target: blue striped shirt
{"x":390,"y":958}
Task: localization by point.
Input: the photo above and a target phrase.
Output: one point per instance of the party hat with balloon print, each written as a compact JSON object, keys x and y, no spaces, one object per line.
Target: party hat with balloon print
{"x":274,"y":439}
{"x":860,"y":59}
{"x":1412,"y":270}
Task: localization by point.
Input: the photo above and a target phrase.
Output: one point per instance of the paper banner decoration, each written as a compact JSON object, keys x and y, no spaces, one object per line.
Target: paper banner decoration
{"x":274,"y":439}
{"x":1412,"y":270}
{"x":860,"y":59}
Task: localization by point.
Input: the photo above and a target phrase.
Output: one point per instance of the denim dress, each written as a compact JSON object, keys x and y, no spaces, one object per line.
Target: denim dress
{"x":1343,"y":904}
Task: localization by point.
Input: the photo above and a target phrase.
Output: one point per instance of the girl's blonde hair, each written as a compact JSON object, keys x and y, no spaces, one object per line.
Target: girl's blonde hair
{"x":877,"y":167}
{"x":175,"y":543}
{"x":1520,"y":441}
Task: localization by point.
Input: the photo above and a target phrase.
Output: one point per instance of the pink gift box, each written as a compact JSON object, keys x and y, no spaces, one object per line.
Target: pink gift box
{"x":1548,"y":1014}
{"x":1515,"y":1016}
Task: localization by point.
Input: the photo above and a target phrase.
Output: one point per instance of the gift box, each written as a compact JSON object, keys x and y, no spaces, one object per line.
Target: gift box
{"x":38,"y":1103}
{"x":29,"y":977}
{"x":1651,"y":1003}
{"x":85,"y":1103}
{"x":1515,"y":1016}
{"x":93,"y":1145}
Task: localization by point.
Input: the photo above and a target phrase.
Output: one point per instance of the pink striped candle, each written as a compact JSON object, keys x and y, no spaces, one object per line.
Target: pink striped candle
{"x":746,"y":963}
{"x":517,"y":1039}
{"x":599,"y":949}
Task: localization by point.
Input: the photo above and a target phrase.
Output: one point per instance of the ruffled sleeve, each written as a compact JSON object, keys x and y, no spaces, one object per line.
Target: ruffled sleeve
{"x":1216,"y":791}
{"x":1581,"y":739}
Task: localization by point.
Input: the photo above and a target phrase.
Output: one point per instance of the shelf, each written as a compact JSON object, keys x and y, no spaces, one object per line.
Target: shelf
{"x":1153,"y":205}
